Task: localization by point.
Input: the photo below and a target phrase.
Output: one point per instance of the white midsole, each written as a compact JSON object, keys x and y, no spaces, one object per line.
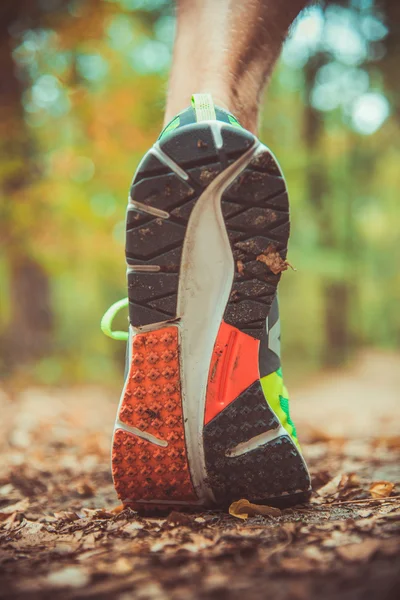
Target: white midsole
{"x":205,"y":282}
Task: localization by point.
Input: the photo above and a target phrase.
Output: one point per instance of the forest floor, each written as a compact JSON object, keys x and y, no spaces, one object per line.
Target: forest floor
{"x":62,"y":534}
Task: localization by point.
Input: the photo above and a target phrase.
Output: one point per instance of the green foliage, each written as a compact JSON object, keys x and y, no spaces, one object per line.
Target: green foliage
{"x":92,"y":105}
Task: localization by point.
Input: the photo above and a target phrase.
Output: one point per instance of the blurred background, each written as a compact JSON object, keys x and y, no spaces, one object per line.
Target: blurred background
{"x":82,"y":92}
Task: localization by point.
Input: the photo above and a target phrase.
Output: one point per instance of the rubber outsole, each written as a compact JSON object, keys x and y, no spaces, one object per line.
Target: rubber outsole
{"x":150,"y":460}
{"x":256,"y":213}
{"x":149,"y":452}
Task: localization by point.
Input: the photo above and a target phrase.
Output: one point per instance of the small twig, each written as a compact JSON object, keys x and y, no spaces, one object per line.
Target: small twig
{"x":388,"y":499}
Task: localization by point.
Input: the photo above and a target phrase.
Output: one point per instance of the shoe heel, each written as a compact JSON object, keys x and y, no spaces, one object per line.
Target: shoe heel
{"x":149,"y":461}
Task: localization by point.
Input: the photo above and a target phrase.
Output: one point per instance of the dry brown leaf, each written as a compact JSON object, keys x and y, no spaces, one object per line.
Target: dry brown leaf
{"x":97,"y":513}
{"x":117,"y":509}
{"x":381,"y":489}
{"x":359,"y":552}
{"x":68,"y":577}
{"x":197,"y":543}
{"x":273,"y":260}
{"x":349,"y":480}
{"x":331,"y":487}
{"x":12,"y":509}
{"x":243,"y":509}
{"x":320,"y":479}
{"x":66,"y":515}
{"x":122,"y":566}
{"x":17,"y":507}
{"x":85,"y":490}
{"x":315,"y":553}
{"x":133,"y":527}
{"x":200,"y":520}
{"x":178,"y":518}
{"x":366,"y":524}
{"x":365,"y":512}
{"x":297,"y":564}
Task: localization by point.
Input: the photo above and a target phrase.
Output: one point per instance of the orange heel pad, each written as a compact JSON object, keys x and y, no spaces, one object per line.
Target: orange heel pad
{"x":155,"y":470}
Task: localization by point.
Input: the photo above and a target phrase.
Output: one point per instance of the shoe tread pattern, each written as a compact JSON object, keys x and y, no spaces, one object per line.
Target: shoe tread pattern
{"x":255,"y":209}
{"x":261,"y":222}
{"x":274,"y":472}
{"x":152,"y":403}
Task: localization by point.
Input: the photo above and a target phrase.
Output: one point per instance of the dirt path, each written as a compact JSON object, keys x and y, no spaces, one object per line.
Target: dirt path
{"x":61,"y":537}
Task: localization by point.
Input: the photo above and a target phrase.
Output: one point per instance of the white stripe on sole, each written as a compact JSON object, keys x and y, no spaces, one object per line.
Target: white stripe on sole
{"x":205,"y":282}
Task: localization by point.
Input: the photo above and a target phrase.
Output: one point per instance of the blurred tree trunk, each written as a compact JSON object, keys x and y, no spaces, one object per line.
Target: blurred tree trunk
{"x":336,"y":294}
{"x":27,"y":331}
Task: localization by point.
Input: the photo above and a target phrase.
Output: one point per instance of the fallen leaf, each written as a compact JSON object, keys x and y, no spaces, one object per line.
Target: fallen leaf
{"x":349,"y":480}
{"x":18,"y":507}
{"x":117,"y":509}
{"x":393,"y":515}
{"x":339,"y":539}
{"x":178,"y":518}
{"x":85,"y":490}
{"x":366,"y":524}
{"x":273,"y":260}
{"x":320,"y":479}
{"x":68,"y":577}
{"x":240,"y":267}
{"x":122,"y":566}
{"x":66,"y":515}
{"x":365,"y":512}
{"x":385,"y":509}
{"x":163,"y":544}
{"x":381,"y":489}
{"x":97,"y":513}
{"x":133,"y":527}
{"x":315,"y":553}
{"x":200,"y":520}
{"x":331,"y":487}
{"x":242,"y":509}
{"x":297,"y":564}
{"x":358,"y":552}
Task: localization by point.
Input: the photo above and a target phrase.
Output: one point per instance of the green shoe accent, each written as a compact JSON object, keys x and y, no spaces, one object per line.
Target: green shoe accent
{"x":108,"y":318}
{"x":204,"y":107}
{"x":277,"y":397}
{"x":284,"y":402}
{"x":170,"y":127}
{"x":234,"y":121}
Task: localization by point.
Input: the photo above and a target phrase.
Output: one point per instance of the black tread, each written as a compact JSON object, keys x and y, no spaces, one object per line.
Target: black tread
{"x":273,"y":473}
{"x":263,"y":223}
{"x":247,"y":416}
{"x":191,"y":146}
{"x":255,"y":209}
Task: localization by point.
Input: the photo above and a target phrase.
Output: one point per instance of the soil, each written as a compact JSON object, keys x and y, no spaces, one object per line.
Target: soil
{"x":63,"y":534}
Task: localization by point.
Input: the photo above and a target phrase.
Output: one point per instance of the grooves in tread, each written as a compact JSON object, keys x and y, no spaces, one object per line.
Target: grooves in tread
{"x":157,"y":241}
{"x":152,"y":403}
{"x":262,"y":225}
{"x":271,"y":471}
{"x":255,"y":209}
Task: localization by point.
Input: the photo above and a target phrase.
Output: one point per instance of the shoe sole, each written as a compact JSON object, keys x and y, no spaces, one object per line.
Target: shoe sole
{"x":207,"y":220}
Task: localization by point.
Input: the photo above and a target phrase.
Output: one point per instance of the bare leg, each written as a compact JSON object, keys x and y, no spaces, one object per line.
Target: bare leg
{"x":227,"y":48}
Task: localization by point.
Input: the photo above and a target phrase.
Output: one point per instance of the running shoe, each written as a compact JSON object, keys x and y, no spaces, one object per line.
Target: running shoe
{"x":204,"y":417}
